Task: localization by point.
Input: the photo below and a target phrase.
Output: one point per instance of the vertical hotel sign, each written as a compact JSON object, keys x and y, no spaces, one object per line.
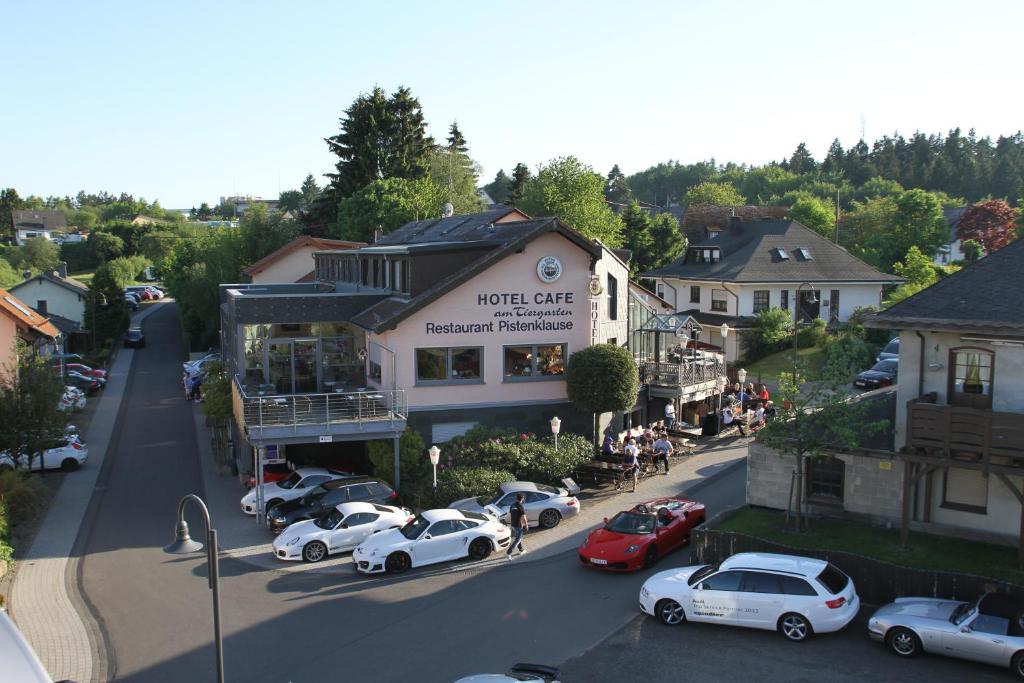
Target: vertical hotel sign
{"x":596,"y":290}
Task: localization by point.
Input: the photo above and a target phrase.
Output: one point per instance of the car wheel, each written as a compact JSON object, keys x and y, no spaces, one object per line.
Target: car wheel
{"x":479,"y":549}
{"x":905,"y":642}
{"x":549,"y":519}
{"x":271,"y":503}
{"x":69,"y":465}
{"x":651,"y":556}
{"x":794,"y":627}
{"x":397,"y":563}
{"x":670,"y":612}
{"x":314,"y":551}
{"x":1017,"y":665}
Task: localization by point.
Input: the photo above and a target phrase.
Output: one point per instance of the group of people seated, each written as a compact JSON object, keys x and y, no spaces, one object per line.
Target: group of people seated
{"x":756,"y":404}
{"x":650,"y":445}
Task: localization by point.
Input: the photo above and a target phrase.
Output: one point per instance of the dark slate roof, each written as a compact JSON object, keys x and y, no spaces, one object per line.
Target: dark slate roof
{"x":67,"y":283}
{"x":467,"y":227}
{"x":985,"y":294}
{"x":748,"y":255}
{"x":301,"y":308}
{"x":65,"y":325}
{"x":716,"y":319}
{"x":624,"y":255}
{"x":31,"y":219}
{"x":388,"y":313}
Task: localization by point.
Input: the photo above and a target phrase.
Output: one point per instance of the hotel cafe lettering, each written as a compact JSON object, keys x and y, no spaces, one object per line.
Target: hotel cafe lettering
{"x":517,"y":312}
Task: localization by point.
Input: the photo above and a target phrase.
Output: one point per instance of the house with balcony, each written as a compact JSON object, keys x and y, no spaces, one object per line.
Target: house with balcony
{"x":19,"y":323}
{"x":729,"y":275}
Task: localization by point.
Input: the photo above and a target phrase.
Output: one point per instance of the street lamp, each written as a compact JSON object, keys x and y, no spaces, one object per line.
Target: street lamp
{"x":724,"y":331}
{"x":556,"y":426}
{"x":435,"y":455}
{"x":184,"y":545}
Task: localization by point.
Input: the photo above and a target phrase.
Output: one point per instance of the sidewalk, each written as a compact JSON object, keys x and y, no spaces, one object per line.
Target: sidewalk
{"x":52,"y":619}
{"x":241,"y":538}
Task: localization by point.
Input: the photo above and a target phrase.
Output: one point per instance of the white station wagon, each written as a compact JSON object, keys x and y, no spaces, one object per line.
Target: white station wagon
{"x":796,"y":596}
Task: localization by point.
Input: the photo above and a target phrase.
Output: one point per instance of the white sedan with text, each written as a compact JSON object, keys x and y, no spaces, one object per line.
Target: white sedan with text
{"x":433,"y":536}
{"x":341,"y":529}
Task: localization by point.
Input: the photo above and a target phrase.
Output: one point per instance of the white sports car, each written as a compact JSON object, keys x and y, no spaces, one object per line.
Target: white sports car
{"x":297,"y":483}
{"x":341,"y":529}
{"x":433,"y":536}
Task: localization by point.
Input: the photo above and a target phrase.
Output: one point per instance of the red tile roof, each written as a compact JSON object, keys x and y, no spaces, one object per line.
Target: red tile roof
{"x":24,"y":316}
{"x":318,"y":244}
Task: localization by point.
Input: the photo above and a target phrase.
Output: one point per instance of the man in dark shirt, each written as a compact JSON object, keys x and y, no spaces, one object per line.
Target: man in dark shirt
{"x":517,"y":517}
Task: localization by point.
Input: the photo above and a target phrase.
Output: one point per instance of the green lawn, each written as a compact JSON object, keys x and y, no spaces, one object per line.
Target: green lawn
{"x":923,"y":551}
{"x":84,"y":278}
{"x":770,"y":367}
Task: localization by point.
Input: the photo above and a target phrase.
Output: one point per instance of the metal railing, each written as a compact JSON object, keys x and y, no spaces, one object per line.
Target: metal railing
{"x":295,"y":410}
{"x":687,"y":373}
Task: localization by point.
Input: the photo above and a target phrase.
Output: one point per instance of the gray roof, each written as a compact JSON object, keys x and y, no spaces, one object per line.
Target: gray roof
{"x":749,"y":254}
{"x":67,"y":283}
{"x":32,"y":219}
{"x":65,"y":325}
{"x":983,"y":295}
{"x":466,"y":227}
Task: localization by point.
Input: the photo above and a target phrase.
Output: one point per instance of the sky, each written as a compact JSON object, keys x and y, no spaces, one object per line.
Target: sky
{"x":186,"y":101}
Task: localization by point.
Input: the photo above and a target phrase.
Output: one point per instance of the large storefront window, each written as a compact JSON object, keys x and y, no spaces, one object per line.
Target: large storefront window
{"x":449,"y":365}
{"x":253,"y":354}
{"x":302,"y":358}
{"x":537,"y":361}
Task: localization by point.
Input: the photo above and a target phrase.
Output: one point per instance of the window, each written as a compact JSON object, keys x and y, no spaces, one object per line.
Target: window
{"x":803,"y":254}
{"x":41,"y":306}
{"x":719,"y":301}
{"x":760,"y":300}
{"x":449,"y":365}
{"x":784,"y":299}
{"x":965,"y":490}
{"x":614,"y":341}
{"x":448,"y":526}
{"x":699,"y":255}
{"x":540,"y":361}
{"x":661,"y":291}
{"x":833,"y":579}
{"x":970,"y":377}
{"x":694,"y":294}
{"x":359,"y":492}
{"x":361,"y":518}
{"x":759,"y":582}
{"x":378,"y":490}
{"x":613,"y":298}
{"x":781,"y":254}
{"x":725,"y":581}
{"x":534,"y":497}
{"x":833,"y":299}
{"x":792,"y":585}
{"x":825,"y":480}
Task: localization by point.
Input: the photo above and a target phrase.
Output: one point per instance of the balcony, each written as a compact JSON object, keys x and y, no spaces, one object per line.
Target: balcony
{"x":952,"y":432}
{"x":323,"y":418}
{"x":687,"y":377}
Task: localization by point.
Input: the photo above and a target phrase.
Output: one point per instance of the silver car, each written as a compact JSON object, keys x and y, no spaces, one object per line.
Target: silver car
{"x":545,"y":505}
{"x":989,"y":630}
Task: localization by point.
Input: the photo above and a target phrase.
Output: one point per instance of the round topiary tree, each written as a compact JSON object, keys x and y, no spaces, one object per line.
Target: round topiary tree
{"x":601,"y":379}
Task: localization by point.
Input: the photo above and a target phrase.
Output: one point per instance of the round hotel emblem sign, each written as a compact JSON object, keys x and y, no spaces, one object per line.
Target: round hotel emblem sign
{"x":595,"y":287}
{"x":549,"y":269}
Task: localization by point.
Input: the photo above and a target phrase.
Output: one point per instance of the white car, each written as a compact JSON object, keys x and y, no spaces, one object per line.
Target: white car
{"x":341,"y":529}
{"x":796,"y":596}
{"x":296,"y":484}
{"x":73,"y":399}
{"x":434,"y":536}
{"x":68,"y":455}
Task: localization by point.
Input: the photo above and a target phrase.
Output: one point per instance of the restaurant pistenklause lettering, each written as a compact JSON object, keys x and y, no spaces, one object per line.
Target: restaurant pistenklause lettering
{"x":503,"y":326}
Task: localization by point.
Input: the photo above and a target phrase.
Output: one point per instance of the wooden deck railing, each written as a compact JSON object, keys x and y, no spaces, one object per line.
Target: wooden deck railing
{"x":945,"y":430}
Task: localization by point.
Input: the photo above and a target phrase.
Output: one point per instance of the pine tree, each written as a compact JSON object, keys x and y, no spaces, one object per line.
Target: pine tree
{"x":520,"y":176}
{"x":310,"y":190}
{"x":616,"y":187}
{"x":498,"y":188}
{"x":802,"y":161}
{"x":456,"y":140}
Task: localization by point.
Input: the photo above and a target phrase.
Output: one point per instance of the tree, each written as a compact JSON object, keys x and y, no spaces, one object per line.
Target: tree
{"x":9,"y":203}
{"x":916,"y":268}
{"x":289,"y":200}
{"x":637,"y":230}
{"x":106,"y":316}
{"x":990,"y":223}
{"x":388,"y":204}
{"x":40,"y":254}
{"x":227,"y":211}
{"x":719,"y":194}
{"x":263,"y":232}
{"x":205,"y":212}
{"x":602,"y":378}
{"x":310,"y":191}
{"x":456,"y":174}
{"x":381,"y":137}
{"x":29,"y":394}
{"x":456,"y":140}
{"x":669,"y":243}
{"x":802,"y":161}
{"x":411,"y":453}
{"x":918,"y":221}
{"x":616,"y":187}
{"x":972,"y":250}
{"x":570,"y":190}
{"x":517,"y":188}
{"x":105,"y":246}
{"x":816,"y":214}
{"x":498,"y":189}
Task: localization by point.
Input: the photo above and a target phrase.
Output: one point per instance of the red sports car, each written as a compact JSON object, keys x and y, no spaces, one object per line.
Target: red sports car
{"x":86,"y":370}
{"x":636,"y":539}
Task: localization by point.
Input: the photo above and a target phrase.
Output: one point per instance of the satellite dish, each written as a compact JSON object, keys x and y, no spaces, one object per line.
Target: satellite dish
{"x":447,"y":210}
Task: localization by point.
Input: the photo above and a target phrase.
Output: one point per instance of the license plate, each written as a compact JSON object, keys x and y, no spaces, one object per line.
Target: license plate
{"x":594,"y":560}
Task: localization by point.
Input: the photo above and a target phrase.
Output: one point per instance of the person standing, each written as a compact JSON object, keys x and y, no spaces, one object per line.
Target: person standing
{"x":631,"y":462}
{"x":517,"y":516}
{"x":670,"y":415}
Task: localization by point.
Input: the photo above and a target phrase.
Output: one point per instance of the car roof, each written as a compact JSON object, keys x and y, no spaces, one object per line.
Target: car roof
{"x":792,"y":564}
{"x":441,"y":514}
{"x":353,"y":507}
{"x":307,"y":471}
{"x":511,"y":486}
{"x":347,"y":480}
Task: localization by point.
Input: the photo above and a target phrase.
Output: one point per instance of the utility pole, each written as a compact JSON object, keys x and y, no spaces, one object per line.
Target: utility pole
{"x":837,"y":216}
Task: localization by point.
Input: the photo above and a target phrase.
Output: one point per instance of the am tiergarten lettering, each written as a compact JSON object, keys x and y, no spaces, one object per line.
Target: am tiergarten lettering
{"x":517,"y":312}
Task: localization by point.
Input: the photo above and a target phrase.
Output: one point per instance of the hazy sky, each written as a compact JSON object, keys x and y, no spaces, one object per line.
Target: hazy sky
{"x":187,"y":101}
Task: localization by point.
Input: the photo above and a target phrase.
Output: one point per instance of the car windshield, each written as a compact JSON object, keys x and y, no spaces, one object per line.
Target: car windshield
{"x":313,"y":494}
{"x":490,"y":499}
{"x":415,"y":528}
{"x":887,"y":365}
{"x":962,"y":611}
{"x":704,"y":571}
{"x":330,"y":520}
{"x":290,"y":482}
{"x":892,"y":347}
{"x":631,"y":523}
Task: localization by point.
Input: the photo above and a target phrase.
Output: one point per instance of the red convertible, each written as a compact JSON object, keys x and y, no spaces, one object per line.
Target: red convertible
{"x":636,"y":539}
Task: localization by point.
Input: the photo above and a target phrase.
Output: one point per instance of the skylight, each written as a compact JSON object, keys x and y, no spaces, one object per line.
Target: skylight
{"x":781,"y":253}
{"x":18,"y":306}
{"x":803,"y":253}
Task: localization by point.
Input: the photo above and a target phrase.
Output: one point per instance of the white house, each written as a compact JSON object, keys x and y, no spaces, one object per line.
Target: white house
{"x":952,"y":251}
{"x":730,"y":275}
{"x":60,"y":299}
{"x":31,"y":223}
{"x":294,"y":261}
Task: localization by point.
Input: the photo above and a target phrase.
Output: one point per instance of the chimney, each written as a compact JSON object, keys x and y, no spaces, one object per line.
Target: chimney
{"x":378,"y":234}
{"x":62,"y":269}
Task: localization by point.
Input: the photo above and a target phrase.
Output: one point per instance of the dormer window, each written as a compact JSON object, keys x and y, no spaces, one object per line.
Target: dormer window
{"x":705,"y":255}
{"x":803,"y":254}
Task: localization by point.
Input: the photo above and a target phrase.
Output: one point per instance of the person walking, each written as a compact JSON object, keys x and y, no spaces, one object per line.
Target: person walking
{"x":670,"y":415}
{"x":631,"y":462}
{"x":662,"y":450}
{"x":517,"y":516}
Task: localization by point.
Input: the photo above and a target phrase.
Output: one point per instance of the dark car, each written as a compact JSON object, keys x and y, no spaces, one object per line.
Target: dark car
{"x":90,"y":385}
{"x":891,"y":350}
{"x":134,"y":337}
{"x":323,"y":498}
{"x":882,"y":374}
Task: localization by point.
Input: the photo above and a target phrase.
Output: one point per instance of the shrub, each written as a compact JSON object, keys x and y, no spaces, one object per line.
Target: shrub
{"x":813,"y":334}
{"x":870,"y":334}
{"x":770,"y":333}
{"x":412,"y":454}
{"x":22,"y":496}
{"x":845,"y":355}
{"x":545,"y":465}
{"x":456,"y":483}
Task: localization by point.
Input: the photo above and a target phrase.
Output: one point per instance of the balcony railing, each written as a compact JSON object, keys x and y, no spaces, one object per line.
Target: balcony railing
{"x":687,"y":373}
{"x":948,"y":430}
{"x":373,"y":408}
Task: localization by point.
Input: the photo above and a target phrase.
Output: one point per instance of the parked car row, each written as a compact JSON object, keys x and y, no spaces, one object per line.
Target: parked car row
{"x":884,"y":372}
{"x":67,"y":453}
{"x":143,"y":293}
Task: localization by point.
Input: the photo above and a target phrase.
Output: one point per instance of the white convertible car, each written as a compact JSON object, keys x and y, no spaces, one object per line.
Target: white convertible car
{"x":341,"y":529}
{"x":434,"y":536}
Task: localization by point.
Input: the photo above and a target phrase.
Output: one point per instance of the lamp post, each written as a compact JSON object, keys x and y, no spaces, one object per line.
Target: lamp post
{"x":720,"y":385}
{"x":184,"y":545}
{"x":435,"y":454}
{"x":796,"y":324}
{"x":724,"y":331}
{"x":556,"y":426}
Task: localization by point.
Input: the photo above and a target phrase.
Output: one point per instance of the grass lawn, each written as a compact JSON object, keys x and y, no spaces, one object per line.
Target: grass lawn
{"x":770,"y":367}
{"x":924,"y":551}
{"x":84,"y":278}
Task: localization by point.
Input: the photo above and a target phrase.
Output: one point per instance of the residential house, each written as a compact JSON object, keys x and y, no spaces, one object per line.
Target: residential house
{"x":697,"y":221}
{"x":728,"y":276}
{"x":32,"y":223}
{"x":61,"y":299}
{"x":294,"y":261}
{"x":951,"y":251}
{"x":19,"y":322}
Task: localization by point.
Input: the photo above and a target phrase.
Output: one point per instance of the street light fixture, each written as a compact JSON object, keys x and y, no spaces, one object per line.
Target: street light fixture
{"x":184,"y":545}
{"x":724,"y":331}
{"x":556,"y":426}
{"x":435,"y":455}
